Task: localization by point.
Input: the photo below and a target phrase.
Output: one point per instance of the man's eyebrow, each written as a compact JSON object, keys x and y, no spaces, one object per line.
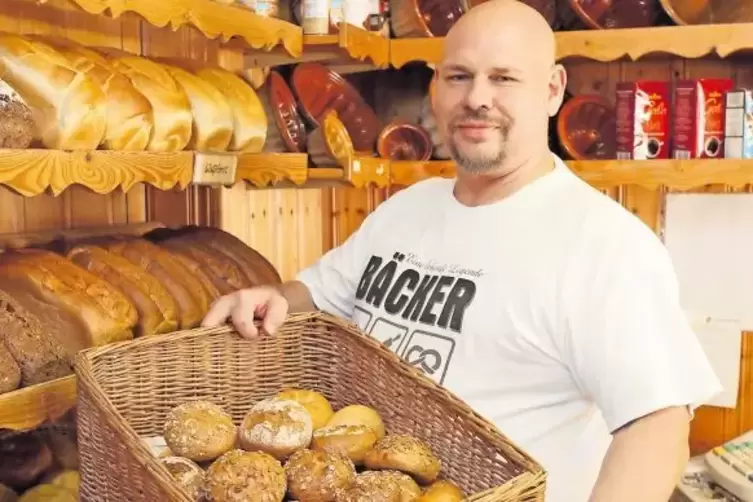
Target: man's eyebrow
{"x":456,"y":67}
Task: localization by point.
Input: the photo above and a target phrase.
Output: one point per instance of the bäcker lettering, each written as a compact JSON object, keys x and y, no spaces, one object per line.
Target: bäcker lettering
{"x":437,"y":300}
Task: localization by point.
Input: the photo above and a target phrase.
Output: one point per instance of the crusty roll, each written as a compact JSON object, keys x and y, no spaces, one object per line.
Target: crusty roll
{"x":315,"y":403}
{"x":172,"y":117}
{"x":369,"y":487}
{"x":108,"y":314}
{"x":188,"y":292}
{"x":442,"y":491}
{"x":249,"y":120}
{"x":129,"y":113}
{"x":409,"y":489}
{"x":354,"y":441}
{"x":69,"y":108}
{"x":187,"y":474}
{"x":358,"y":414}
{"x":277,"y":427}
{"x":317,"y":476}
{"x":157,"y":309}
{"x":242,"y":476}
{"x":406,"y":454}
{"x":213,"y":120}
{"x":199,"y":431}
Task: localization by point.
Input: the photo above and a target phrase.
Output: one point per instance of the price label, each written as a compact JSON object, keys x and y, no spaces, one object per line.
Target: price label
{"x":214,"y":168}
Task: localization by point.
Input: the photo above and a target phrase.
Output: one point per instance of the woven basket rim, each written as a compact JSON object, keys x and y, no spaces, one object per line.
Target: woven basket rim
{"x":84,"y":369}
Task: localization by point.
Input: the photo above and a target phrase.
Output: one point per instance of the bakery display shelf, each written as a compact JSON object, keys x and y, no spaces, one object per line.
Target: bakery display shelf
{"x":30,"y":407}
{"x":211,"y":18}
{"x":679,"y":175}
{"x":406,"y":173}
{"x":351,"y":50}
{"x":693,"y":41}
{"x":268,"y":169}
{"x":360,"y":171}
{"x":32,"y":172}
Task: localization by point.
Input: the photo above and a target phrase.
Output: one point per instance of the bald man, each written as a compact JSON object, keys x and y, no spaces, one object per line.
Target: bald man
{"x":539,"y":301}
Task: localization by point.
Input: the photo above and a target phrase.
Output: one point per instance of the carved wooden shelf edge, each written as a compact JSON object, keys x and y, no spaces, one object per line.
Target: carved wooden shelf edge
{"x":673,"y":174}
{"x":362,"y":171}
{"x":31,"y":172}
{"x":33,"y":406}
{"x":266,"y":169}
{"x":406,"y":173}
{"x":213,"y":19}
{"x":362,"y":44}
{"x":688,"y":42}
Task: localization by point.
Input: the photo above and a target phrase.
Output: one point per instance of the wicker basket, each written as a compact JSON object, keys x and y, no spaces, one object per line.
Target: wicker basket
{"x":127,"y":389}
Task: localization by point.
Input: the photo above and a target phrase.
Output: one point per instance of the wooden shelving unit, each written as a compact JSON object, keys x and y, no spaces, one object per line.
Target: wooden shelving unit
{"x":688,"y":42}
{"x":33,"y":406}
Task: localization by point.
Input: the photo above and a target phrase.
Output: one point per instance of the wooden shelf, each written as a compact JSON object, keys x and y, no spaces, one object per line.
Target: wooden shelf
{"x":31,"y":407}
{"x":362,"y":171}
{"x":353,"y":49}
{"x":213,"y":19}
{"x":267,"y":169}
{"x":405,"y":173}
{"x":610,"y":45}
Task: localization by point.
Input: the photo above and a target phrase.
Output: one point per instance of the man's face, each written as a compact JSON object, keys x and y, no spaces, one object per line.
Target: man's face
{"x":490,"y":103}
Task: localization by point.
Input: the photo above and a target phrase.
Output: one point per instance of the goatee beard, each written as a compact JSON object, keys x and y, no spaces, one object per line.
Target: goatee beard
{"x":484,"y":164}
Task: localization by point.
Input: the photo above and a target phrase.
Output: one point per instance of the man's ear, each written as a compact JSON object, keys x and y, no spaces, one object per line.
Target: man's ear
{"x":557,"y":86}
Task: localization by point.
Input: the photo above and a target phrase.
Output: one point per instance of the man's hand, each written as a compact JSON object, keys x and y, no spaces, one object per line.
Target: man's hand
{"x":245,"y":306}
{"x":646,"y":458}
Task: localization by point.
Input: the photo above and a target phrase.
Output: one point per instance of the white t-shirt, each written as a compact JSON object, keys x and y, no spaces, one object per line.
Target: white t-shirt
{"x":554,"y":313}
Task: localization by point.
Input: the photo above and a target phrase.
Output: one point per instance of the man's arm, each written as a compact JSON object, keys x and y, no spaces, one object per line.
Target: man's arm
{"x":646,"y":458}
{"x":298,"y":297}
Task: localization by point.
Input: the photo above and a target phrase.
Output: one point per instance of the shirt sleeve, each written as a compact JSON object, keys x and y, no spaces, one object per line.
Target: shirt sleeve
{"x":630,"y":345}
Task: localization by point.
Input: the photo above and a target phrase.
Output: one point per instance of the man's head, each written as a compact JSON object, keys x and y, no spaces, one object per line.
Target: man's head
{"x":497,"y":86}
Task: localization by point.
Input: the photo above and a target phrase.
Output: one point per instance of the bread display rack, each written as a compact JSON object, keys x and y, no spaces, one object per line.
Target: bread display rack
{"x":289,"y":203}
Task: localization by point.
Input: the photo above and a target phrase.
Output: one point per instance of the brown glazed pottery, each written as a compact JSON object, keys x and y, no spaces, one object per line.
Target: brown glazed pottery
{"x":709,"y":11}
{"x":587,"y":128}
{"x":320,"y":90}
{"x":401,"y":140}
{"x":547,"y":8}
{"x":285,"y":112}
{"x":608,"y":14}
{"x":424,"y":18}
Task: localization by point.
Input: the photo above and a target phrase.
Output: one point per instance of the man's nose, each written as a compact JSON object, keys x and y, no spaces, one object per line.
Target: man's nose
{"x":479,"y":94}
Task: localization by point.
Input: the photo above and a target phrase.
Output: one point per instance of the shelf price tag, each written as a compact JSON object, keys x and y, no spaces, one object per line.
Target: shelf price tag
{"x":215,"y":169}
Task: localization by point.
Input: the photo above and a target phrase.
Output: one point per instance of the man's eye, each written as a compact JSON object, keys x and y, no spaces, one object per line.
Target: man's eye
{"x":502,"y":78}
{"x":456,"y":77}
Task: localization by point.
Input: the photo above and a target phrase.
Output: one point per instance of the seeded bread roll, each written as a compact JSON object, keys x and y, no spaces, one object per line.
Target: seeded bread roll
{"x":187,"y":473}
{"x":442,"y":491}
{"x":370,"y":488}
{"x":277,"y":427}
{"x":409,"y":490}
{"x":353,"y":441}
{"x":406,"y":454}
{"x":10,"y":373}
{"x":315,"y":403}
{"x":242,"y":476}
{"x":358,"y":414}
{"x":199,"y":431}
{"x":317,"y":476}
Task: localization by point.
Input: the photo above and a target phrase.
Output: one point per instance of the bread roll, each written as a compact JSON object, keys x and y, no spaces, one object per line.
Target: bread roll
{"x":409,"y":490}
{"x":172,"y":118}
{"x":108,"y":314}
{"x":17,"y":129}
{"x":241,"y":476}
{"x":315,"y":403}
{"x":48,"y":493}
{"x":129,"y":114}
{"x":23,"y":460}
{"x":442,"y":491}
{"x":277,"y":427}
{"x":70,"y":480}
{"x":368,"y":487}
{"x":199,"y":431}
{"x":187,"y":474}
{"x":10,"y":373}
{"x":212,"y":117}
{"x":354,"y":441}
{"x":249,"y":120}
{"x":157,"y":309}
{"x":406,"y":454}
{"x":69,"y":108}
{"x":358,"y":414}
{"x":317,"y":476}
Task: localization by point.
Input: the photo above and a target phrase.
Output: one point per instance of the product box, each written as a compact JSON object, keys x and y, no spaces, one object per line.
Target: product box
{"x":738,"y":129}
{"x":643,"y":120}
{"x":698,"y":118}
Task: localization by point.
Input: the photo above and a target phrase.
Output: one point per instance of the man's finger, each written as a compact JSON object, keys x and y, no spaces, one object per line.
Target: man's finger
{"x":219,"y":311}
{"x":242,"y":314}
{"x":277,"y":311}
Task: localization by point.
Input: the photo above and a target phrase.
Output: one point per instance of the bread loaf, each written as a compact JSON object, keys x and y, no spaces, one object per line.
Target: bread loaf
{"x":129,"y":114}
{"x":172,"y":118}
{"x":177,"y":279}
{"x":69,"y":108}
{"x":107,"y":313}
{"x":10,"y":373}
{"x":249,"y":120}
{"x":212,"y":117}
{"x":157,"y":310}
